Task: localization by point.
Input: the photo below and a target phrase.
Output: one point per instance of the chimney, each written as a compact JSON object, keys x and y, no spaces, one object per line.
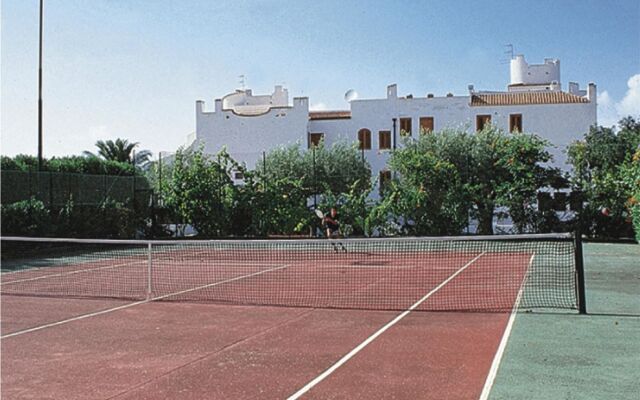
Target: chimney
{"x":574,"y":88}
{"x":392,"y":91}
{"x":218,"y":105}
{"x":199,"y":106}
{"x":592,"y":92}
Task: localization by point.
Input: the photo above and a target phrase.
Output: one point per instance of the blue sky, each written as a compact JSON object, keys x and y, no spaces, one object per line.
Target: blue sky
{"x":134,"y":69}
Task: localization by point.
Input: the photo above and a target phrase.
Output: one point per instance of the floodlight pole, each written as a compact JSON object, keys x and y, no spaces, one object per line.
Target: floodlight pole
{"x":40,"y":93}
{"x":315,"y":185}
{"x":394,"y":140}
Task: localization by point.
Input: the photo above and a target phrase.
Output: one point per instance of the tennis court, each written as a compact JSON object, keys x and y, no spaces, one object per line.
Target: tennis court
{"x":358,"y":318}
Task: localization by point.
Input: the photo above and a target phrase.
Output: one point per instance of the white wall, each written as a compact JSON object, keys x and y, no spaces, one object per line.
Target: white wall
{"x":558,"y":123}
{"x":534,"y":74}
{"x":246,"y":137}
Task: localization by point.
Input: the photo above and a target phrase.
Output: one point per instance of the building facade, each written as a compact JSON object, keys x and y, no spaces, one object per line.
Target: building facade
{"x":534,"y":102}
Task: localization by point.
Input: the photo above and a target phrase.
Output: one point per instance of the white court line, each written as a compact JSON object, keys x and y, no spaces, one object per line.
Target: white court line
{"x":493,"y":371}
{"x":79,"y":271}
{"x":37,"y":328}
{"x":371,"y":338}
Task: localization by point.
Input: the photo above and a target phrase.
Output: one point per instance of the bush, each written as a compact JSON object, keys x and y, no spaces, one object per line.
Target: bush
{"x":635,"y":215}
{"x":110,"y":219}
{"x":25,"y":218}
{"x":353,"y":208}
{"x":9,"y":164}
{"x":606,"y":172}
{"x":71,"y":164}
{"x":445,"y":177}
{"x":631,"y":177}
{"x":201,"y":193}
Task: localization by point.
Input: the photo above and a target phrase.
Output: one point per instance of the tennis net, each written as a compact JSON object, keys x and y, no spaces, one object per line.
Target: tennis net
{"x":471,"y":273}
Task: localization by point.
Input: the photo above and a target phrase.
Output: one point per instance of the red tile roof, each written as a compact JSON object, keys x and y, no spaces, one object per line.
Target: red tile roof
{"x":524,"y":98}
{"x":320,"y":115}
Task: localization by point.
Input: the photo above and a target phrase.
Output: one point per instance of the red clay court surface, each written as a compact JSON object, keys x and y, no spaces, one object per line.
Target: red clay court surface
{"x":71,"y":348}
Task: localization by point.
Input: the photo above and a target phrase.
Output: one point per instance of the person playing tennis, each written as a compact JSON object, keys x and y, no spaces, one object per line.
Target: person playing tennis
{"x":331,"y":223}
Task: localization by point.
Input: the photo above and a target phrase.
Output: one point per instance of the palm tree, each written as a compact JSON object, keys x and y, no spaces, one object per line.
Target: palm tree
{"x":121,"y":150}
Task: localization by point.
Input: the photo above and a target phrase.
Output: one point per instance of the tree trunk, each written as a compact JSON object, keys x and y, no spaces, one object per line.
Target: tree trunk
{"x":485,"y":219}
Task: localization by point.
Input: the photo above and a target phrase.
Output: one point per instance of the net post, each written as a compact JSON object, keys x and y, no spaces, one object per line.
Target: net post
{"x":149,"y":282}
{"x":580,"y":287}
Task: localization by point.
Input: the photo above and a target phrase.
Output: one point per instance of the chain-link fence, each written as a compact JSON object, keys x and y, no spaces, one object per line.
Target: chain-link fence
{"x":55,"y":189}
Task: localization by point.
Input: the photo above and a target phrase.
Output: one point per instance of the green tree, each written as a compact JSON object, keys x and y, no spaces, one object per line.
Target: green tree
{"x":428,"y":197}
{"x":354,"y":205}
{"x":323,"y":168}
{"x":200,"y":191}
{"x":291,"y":180}
{"x":631,"y":178}
{"x":599,"y":161}
{"x":443,"y":178}
{"x":121,"y":150}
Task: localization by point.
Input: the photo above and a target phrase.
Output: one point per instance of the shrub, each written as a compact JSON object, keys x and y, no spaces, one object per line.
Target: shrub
{"x":71,"y":164}
{"x":604,"y":165}
{"x":110,"y":219}
{"x":25,"y":218}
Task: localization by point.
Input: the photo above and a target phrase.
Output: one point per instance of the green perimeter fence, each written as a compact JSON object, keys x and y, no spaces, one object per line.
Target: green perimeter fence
{"x":54,"y":189}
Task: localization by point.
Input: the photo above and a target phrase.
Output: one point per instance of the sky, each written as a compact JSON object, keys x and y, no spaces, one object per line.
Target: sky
{"x":134,"y":69}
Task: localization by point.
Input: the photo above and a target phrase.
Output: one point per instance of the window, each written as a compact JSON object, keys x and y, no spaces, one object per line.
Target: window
{"x":385,"y":178}
{"x":482,"y":121}
{"x":364,"y":139}
{"x":315,"y":139}
{"x":515,"y":123}
{"x":405,"y":126}
{"x":384,"y":140}
{"x":426,"y":125}
{"x":238,"y":175}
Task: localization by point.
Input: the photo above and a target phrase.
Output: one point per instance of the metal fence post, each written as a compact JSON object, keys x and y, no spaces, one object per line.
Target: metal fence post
{"x":315,"y":184}
{"x":50,"y":190}
{"x":160,"y":173}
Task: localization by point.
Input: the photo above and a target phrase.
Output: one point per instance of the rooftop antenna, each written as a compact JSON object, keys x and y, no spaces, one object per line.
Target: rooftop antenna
{"x":509,"y":52}
{"x":241,"y":81}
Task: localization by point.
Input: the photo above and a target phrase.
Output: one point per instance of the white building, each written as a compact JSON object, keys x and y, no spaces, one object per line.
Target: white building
{"x":534,"y":102}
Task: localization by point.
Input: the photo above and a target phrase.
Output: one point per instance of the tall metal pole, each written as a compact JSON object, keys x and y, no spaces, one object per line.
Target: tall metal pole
{"x":394,"y":133}
{"x":160,"y":173}
{"x":264,"y":165}
{"x":40,"y":94}
{"x":315,"y":185}
{"x":394,"y":141}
